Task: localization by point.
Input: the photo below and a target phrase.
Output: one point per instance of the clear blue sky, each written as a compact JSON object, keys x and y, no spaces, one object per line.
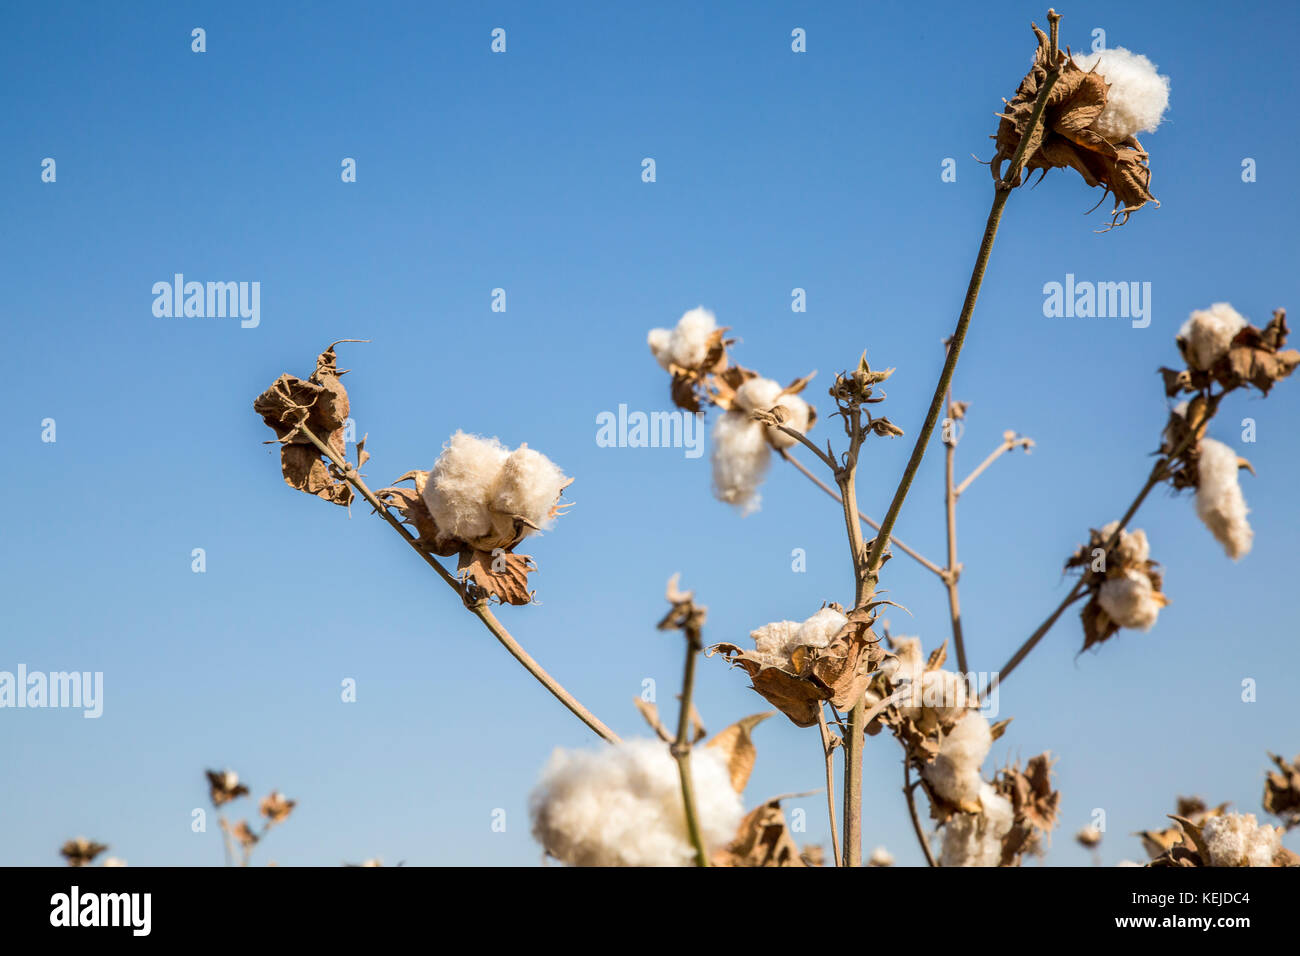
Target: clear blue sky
{"x":775,"y":170}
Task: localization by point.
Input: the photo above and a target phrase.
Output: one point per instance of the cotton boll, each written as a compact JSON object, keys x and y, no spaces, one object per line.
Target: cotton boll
{"x":740,"y":460}
{"x":659,"y":341}
{"x":1130,"y":600}
{"x":818,"y":630}
{"x":1137,"y":96}
{"x":622,"y":806}
{"x":1237,"y":839}
{"x":1219,"y":501}
{"x":688,"y":344}
{"x":760,"y":394}
{"x":955,"y":772}
{"x":773,"y":642}
{"x":942,"y":694}
{"x":529,"y":486}
{"x":1207,"y":334}
{"x":1132,"y":549}
{"x":460,"y":486}
{"x":975,"y":839}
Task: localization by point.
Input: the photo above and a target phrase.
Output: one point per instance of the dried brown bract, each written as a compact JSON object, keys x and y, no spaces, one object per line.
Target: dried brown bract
{"x":244,"y":835}
{"x":763,"y":840}
{"x":800,"y":676}
{"x":1282,"y":791}
{"x":224,"y":786}
{"x":276,"y":807}
{"x":1124,"y":584}
{"x":1255,"y":357}
{"x":320,"y":403}
{"x":1067,"y":136}
{"x":81,"y":852}
{"x":1035,"y":804}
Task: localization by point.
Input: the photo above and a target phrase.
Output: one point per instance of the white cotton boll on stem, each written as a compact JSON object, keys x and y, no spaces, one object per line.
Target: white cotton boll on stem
{"x":819,"y":629}
{"x":461,"y":483}
{"x":529,"y":486}
{"x":1137,"y":96}
{"x":1130,"y":600}
{"x":659,"y":341}
{"x":955,"y":772}
{"x":1237,"y":839}
{"x":1132,"y":548}
{"x":773,"y":642}
{"x":1219,"y":501}
{"x":761,"y":394}
{"x":688,"y":344}
{"x":740,"y":460}
{"x":622,"y":806}
{"x":975,"y":839}
{"x":1208,"y":333}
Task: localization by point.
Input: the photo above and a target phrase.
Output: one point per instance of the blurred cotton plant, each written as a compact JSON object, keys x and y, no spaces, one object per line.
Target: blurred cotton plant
{"x":240,"y":839}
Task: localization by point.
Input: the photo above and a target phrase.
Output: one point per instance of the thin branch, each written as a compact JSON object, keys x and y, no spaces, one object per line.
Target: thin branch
{"x":799,"y":436}
{"x":1008,"y":444}
{"x":1002,"y":191}
{"x":953,"y":570}
{"x":828,"y":747}
{"x":681,"y":748}
{"x":803,"y":469}
{"x":911,"y":809}
{"x":479,"y":607}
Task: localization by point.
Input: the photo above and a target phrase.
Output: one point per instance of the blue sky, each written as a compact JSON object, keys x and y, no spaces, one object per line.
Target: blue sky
{"x":522,"y":171}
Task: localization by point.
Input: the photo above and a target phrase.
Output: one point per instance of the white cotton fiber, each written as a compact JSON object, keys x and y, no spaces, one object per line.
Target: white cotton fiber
{"x":740,"y":457}
{"x":819,"y":629}
{"x":622,"y":806}
{"x":529,"y":485}
{"x":1207,"y":334}
{"x":460,"y":486}
{"x":1130,"y":600}
{"x":1137,"y":96}
{"x":1219,"y":501}
{"x":955,"y":772}
{"x":761,"y":394}
{"x":1237,"y":839}
{"x":975,"y":839}
{"x":660,"y":341}
{"x":688,"y":343}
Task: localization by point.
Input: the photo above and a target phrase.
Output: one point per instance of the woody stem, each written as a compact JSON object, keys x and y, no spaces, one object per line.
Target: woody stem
{"x":681,"y":747}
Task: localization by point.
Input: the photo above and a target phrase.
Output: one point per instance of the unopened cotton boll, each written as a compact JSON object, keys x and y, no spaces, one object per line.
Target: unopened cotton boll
{"x":1208,"y":333}
{"x":1137,"y":96}
{"x":460,"y":486}
{"x":688,"y":343}
{"x":1219,"y":501}
{"x":1237,"y":839}
{"x":740,"y":457}
{"x":1130,"y":600}
{"x":975,"y":839}
{"x":528,"y":486}
{"x":955,"y":772}
{"x":622,"y":806}
{"x":659,"y":341}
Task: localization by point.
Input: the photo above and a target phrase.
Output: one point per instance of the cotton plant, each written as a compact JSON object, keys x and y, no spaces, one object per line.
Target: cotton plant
{"x":678,"y":799}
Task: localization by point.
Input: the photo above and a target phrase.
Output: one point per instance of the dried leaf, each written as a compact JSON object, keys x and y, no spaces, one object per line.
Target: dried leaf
{"x":763,"y":839}
{"x":736,"y":745}
{"x":503,"y":575}
{"x":650,"y":711}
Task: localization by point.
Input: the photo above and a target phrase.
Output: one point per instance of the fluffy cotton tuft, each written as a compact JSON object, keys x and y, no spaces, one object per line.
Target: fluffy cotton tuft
{"x":478,"y":486}
{"x":528,"y":486}
{"x":688,"y":343}
{"x":1130,"y":600}
{"x":975,"y":839}
{"x":1219,"y":500}
{"x":659,"y":341}
{"x":1236,"y":839}
{"x":775,"y":642}
{"x":943,"y":694}
{"x":460,"y":486}
{"x":1137,"y":96}
{"x":760,"y":394}
{"x":741,"y":457}
{"x":818,"y":630}
{"x":622,"y":806}
{"x":1206,"y":335}
{"x":1132,"y":549}
{"x":955,"y":772}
